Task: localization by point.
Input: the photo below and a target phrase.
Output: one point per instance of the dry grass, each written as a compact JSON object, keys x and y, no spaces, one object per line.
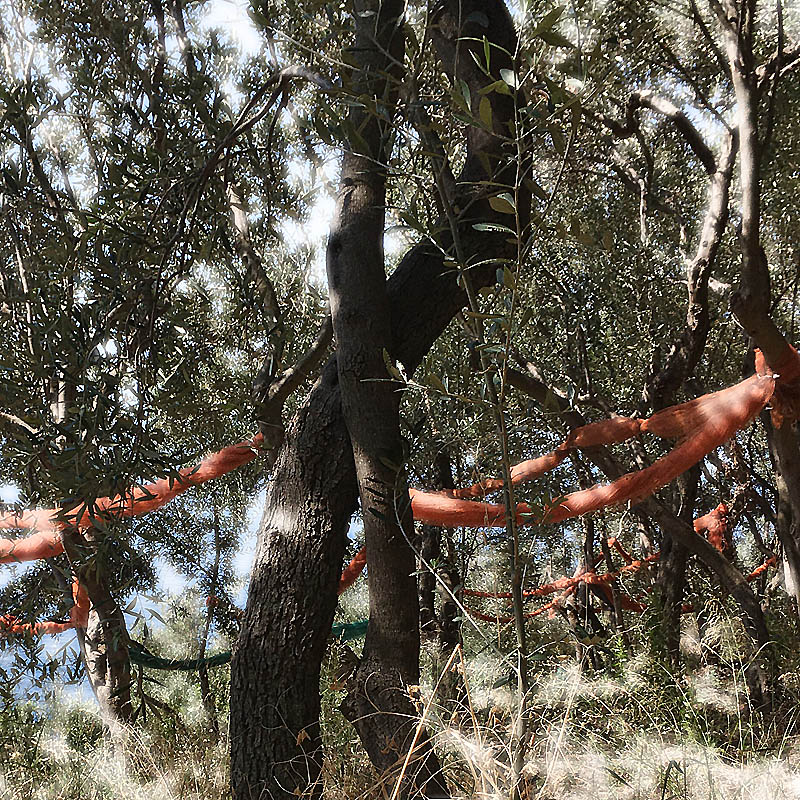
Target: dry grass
{"x":630,"y":731}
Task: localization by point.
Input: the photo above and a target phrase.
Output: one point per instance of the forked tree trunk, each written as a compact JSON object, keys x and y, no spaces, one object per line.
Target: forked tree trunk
{"x":378,"y":703}
{"x":276,"y":747}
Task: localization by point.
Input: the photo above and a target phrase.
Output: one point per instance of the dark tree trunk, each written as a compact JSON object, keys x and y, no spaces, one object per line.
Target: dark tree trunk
{"x":670,"y":586}
{"x":276,"y":746}
{"x":377,"y":704}
{"x":439,"y":576}
{"x":671,"y":581}
{"x":430,"y":547}
{"x":430,"y":550}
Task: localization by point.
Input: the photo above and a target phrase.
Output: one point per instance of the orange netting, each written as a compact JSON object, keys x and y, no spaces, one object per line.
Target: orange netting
{"x":716,"y":519}
{"x":700,"y":426}
{"x":353,"y":570}
{"x":715,"y":526}
{"x":49,"y":523}
{"x":79,"y":616}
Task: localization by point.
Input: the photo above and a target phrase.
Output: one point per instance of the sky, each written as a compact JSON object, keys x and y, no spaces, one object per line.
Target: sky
{"x":171,"y":585}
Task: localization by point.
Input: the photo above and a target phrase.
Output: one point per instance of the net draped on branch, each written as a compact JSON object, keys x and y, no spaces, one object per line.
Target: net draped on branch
{"x":50,"y":524}
{"x":700,"y":426}
{"x":78,"y":618}
{"x":714,"y":525}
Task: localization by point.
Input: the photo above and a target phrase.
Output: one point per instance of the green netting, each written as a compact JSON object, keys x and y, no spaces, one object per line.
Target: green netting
{"x":139,"y":655}
{"x":343,"y":631}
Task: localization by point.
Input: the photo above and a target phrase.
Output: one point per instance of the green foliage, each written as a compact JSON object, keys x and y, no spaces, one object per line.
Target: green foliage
{"x":83,"y":729}
{"x":133,"y":326}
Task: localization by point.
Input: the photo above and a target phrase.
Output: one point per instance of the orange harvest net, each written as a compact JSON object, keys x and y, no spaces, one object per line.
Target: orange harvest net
{"x":714,"y":524}
{"x":78,"y":618}
{"x":50,"y":523}
{"x":700,"y":426}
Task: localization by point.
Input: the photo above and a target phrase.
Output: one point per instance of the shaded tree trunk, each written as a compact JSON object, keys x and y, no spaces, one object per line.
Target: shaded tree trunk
{"x":671,"y":582}
{"x":377,"y":704}
{"x":276,"y":745}
{"x":439,"y":575}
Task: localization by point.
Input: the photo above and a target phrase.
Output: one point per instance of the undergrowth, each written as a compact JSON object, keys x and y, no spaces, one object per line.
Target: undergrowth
{"x":626,"y":728}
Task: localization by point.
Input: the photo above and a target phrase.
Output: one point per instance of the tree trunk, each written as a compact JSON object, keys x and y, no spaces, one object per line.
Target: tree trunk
{"x":438,"y":571}
{"x":104,"y":645}
{"x":785,"y":453}
{"x":378,"y":703}
{"x":276,"y":746}
{"x":106,"y":653}
{"x":672,"y":569}
{"x":663,"y":387}
{"x":760,"y":673}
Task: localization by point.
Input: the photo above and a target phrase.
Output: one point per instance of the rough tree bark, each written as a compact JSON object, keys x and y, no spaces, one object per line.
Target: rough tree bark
{"x":377,"y":703}
{"x":104,"y":645}
{"x":276,"y":746}
{"x":751,"y":303}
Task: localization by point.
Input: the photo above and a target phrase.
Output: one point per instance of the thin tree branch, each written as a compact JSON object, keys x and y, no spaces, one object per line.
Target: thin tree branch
{"x":662,"y":387}
{"x":650,"y":100}
{"x":12,"y":419}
